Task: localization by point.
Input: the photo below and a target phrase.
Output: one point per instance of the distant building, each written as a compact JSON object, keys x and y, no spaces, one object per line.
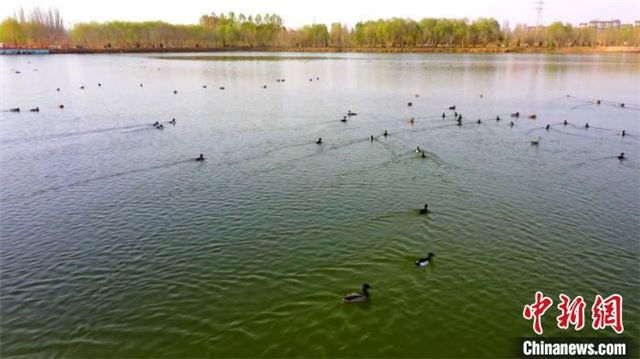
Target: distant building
{"x":602,"y":25}
{"x":637,"y":23}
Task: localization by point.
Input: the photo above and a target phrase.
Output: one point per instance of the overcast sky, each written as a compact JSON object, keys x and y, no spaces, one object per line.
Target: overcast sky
{"x":298,"y":12}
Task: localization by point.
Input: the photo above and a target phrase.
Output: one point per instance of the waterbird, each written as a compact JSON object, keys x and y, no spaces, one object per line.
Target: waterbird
{"x":511,"y":124}
{"x":515,"y":114}
{"x":221,"y":87}
{"x":99,"y":84}
{"x":547,"y":127}
{"x":36,"y":109}
{"x":459,"y":123}
{"x":533,"y":116}
{"x":60,"y":106}
{"x":621,"y":157}
{"x":423,"y":262}
{"x":371,"y":138}
{"x":459,"y":117}
{"x":623,"y":133}
{"x":443,"y":115}
{"x":412,"y":120}
{"x":204,"y":86}
{"x":424,"y":210}
{"x":349,"y":113}
{"x":481,"y":95}
{"x":597,"y":102}
{"x":317,"y":78}
{"x":15,"y":109}
{"x":622,"y":104}
{"x":423,"y":155}
{"x":455,"y":114}
{"x":535,"y":142}
{"x":173,"y":121}
{"x":81,"y":87}
{"x":175,"y":92}
{"x":409,"y":104}
{"x":479,"y":121}
{"x":319,"y":141}
{"x":586,"y":125}
{"x":358,"y":297}
{"x":156,"y":124}
{"x":497,"y":118}
{"x":201,"y":158}
{"x":264,"y":86}
{"x":418,"y":149}
{"x":344,"y":119}
{"x":58,"y":89}
{"x":452,"y":107}
{"x":160,"y":127}
{"x":565,"y":123}
{"x":385,"y":134}
{"x":140,"y":85}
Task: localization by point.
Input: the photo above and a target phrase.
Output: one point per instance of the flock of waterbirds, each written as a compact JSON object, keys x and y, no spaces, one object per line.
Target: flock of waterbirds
{"x":364,"y":294}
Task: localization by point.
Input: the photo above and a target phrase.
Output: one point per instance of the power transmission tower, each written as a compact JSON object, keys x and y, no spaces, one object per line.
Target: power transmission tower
{"x":539,"y":7}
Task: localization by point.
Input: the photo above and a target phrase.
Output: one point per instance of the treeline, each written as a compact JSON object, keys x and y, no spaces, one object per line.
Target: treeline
{"x":38,"y":28}
{"x":45,"y":28}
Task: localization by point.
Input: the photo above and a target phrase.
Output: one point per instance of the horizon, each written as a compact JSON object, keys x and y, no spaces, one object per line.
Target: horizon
{"x":295,"y":14}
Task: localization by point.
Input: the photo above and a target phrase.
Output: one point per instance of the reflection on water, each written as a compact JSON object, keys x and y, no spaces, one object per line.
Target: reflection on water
{"x":115,"y":242}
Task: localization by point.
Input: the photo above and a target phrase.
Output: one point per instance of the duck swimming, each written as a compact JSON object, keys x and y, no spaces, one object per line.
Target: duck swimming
{"x":412,"y":120}
{"x":623,"y":133}
{"x":418,"y":149}
{"x":443,"y":115}
{"x":385,"y":134}
{"x":547,"y":127}
{"x":15,"y":109}
{"x":204,"y":86}
{"x":221,"y":87}
{"x":319,"y":141}
{"x":511,"y":124}
{"x":452,"y":107}
{"x":156,"y":124}
{"x":565,"y":123}
{"x":37,"y":109}
{"x":422,"y":154}
{"x":99,"y":84}
{"x":81,"y":87}
{"x":423,"y":262}
{"x":622,"y":104}
{"x":358,"y":297}
{"x":424,"y":210}
{"x":535,"y":142}
{"x":175,"y":92}
{"x":60,"y":106}
{"x":200,"y":158}
{"x":58,"y":89}
{"x":264,"y":86}
{"x":409,"y":104}
{"x":140,"y":85}
{"x":344,"y":119}
{"x":349,"y":113}
{"x":515,"y":114}
{"x":173,"y":121}
{"x":621,"y":157}
{"x":497,"y":118}
{"x":533,"y":116}
{"x":371,"y":138}
{"x":586,"y":125}
{"x":479,"y":121}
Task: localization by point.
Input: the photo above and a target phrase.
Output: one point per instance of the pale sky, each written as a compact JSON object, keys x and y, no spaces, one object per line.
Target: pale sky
{"x":298,"y":12}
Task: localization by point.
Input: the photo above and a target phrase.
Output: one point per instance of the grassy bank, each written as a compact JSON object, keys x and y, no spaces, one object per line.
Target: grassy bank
{"x":454,"y":50}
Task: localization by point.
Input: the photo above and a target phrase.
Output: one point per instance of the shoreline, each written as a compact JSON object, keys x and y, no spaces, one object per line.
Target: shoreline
{"x":408,"y":50}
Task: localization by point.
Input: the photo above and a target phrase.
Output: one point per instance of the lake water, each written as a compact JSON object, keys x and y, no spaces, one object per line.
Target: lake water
{"x":115,"y":242}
